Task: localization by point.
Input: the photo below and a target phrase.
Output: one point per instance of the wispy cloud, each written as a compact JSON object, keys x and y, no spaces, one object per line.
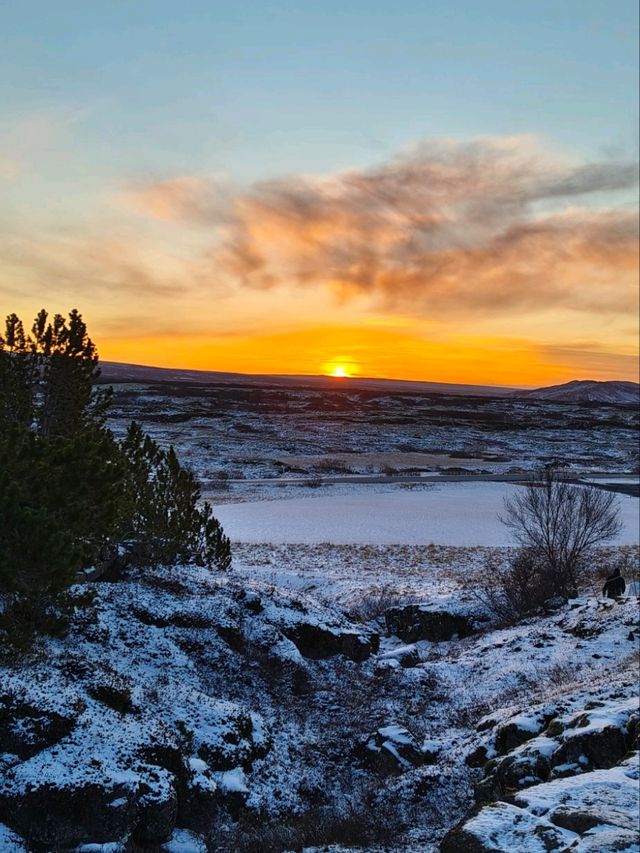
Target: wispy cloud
{"x":87,"y":266}
{"x":445,"y":227}
{"x":181,"y":198}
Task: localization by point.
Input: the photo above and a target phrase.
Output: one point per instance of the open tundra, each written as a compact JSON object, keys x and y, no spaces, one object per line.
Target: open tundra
{"x":343,"y":687}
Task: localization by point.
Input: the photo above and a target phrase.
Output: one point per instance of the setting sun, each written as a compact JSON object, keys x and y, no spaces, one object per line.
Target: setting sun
{"x":340,"y":371}
{"x":340,"y":368}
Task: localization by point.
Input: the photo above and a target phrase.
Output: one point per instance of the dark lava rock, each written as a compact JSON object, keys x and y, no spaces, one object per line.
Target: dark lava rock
{"x":573,"y":819}
{"x":317,"y":642}
{"x":415,"y":622}
{"x":501,"y":828}
{"x":25,"y":728}
{"x":62,"y":815}
{"x":391,"y":750}
{"x":557,"y":602}
{"x":602,"y":747}
{"x":157,"y":808}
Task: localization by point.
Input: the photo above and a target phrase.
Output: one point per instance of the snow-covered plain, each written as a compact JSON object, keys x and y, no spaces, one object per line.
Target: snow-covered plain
{"x":449,"y":514}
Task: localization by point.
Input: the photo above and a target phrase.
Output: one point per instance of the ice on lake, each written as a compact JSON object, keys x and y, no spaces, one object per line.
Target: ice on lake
{"x":448,"y":514}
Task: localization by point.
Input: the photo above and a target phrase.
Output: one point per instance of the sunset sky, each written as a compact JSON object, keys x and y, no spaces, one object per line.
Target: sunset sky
{"x":419,"y":189}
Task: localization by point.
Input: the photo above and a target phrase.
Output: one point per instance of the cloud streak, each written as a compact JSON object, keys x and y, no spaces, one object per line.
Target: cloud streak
{"x":495,"y":224}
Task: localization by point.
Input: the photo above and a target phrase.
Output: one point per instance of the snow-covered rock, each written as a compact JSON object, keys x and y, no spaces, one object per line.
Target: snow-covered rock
{"x":560,"y":768}
{"x":597,"y":811}
{"x":392,"y":749}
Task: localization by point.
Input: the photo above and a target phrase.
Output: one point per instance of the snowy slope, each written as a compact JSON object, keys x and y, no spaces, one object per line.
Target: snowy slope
{"x":588,"y":391}
{"x":223,"y":711}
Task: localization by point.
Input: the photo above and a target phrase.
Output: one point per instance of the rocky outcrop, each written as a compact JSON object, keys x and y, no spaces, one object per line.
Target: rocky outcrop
{"x":558,"y":779}
{"x":593,"y":813}
{"x":391,"y":750}
{"x":503,"y":828}
{"x":317,"y":642}
{"x":29,"y":723}
{"x":63,"y":813}
{"x":404,"y":656}
{"x":431,"y":622}
{"x":120,"y":734}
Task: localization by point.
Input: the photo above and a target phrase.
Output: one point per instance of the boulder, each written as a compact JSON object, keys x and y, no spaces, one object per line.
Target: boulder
{"x":199,"y":797}
{"x":521,"y":728}
{"x":28,"y":726}
{"x":391,"y":750}
{"x":62,"y":813}
{"x":522,"y":769}
{"x":157,"y":807}
{"x":593,"y":799}
{"x":415,"y":622}
{"x":233,"y":790}
{"x":555,"y":603}
{"x":226,"y":735}
{"x":317,"y":641}
{"x":406,"y":656}
{"x":503,"y":828}
{"x":478,"y":757}
{"x":592,"y":747}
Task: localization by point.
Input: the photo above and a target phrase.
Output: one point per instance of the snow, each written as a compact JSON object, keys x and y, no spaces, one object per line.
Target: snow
{"x":448,"y":514}
{"x":234,"y":781}
{"x":108,"y":847}
{"x":396,"y":734}
{"x":398,"y":652}
{"x":630,"y":480}
{"x":10,"y":842}
{"x":183,"y":841}
{"x":611,"y":795}
{"x":503,"y":827}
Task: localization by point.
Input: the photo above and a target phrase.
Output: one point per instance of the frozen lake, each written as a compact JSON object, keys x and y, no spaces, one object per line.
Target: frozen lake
{"x":447,"y":514}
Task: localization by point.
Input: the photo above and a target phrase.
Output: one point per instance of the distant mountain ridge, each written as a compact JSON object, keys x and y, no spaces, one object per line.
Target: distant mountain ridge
{"x":588,"y":391}
{"x":626,"y":393}
{"x":117,"y":372}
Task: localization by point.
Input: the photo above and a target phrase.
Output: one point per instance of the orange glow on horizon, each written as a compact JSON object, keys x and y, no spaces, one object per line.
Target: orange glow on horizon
{"x":340,"y":372}
{"x":371,"y":352}
{"x":340,"y":368}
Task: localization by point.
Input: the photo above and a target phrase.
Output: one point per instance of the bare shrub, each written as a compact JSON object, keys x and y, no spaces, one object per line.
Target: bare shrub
{"x":331,"y":466}
{"x":314,"y":482}
{"x":374,"y":604}
{"x":562,"y":675}
{"x":516,"y":590}
{"x":561,"y":524}
{"x":351,"y":823}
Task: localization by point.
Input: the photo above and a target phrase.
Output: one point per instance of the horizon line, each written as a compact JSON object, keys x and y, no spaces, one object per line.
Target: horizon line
{"x":352,"y":379}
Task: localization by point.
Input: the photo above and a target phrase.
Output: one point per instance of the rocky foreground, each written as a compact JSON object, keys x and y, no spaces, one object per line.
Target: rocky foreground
{"x":186,"y":712}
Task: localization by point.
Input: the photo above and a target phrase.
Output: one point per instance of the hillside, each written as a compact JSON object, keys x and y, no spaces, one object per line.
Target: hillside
{"x":134,"y":373}
{"x":192,"y":712}
{"x":588,"y":391}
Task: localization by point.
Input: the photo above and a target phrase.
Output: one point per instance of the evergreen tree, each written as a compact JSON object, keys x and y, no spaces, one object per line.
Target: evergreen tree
{"x":67,"y":487}
{"x":60,"y":502}
{"x":166,"y":518}
{"x":18,"y":375}
{"x":69,"y":359}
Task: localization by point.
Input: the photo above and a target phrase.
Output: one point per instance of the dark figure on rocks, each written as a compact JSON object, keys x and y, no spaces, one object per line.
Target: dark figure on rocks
{"x":614,"y":586}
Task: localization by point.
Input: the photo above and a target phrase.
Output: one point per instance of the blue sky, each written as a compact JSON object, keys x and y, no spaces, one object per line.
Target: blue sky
{"x":262,"y":88}
{"x":458,"y":174}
